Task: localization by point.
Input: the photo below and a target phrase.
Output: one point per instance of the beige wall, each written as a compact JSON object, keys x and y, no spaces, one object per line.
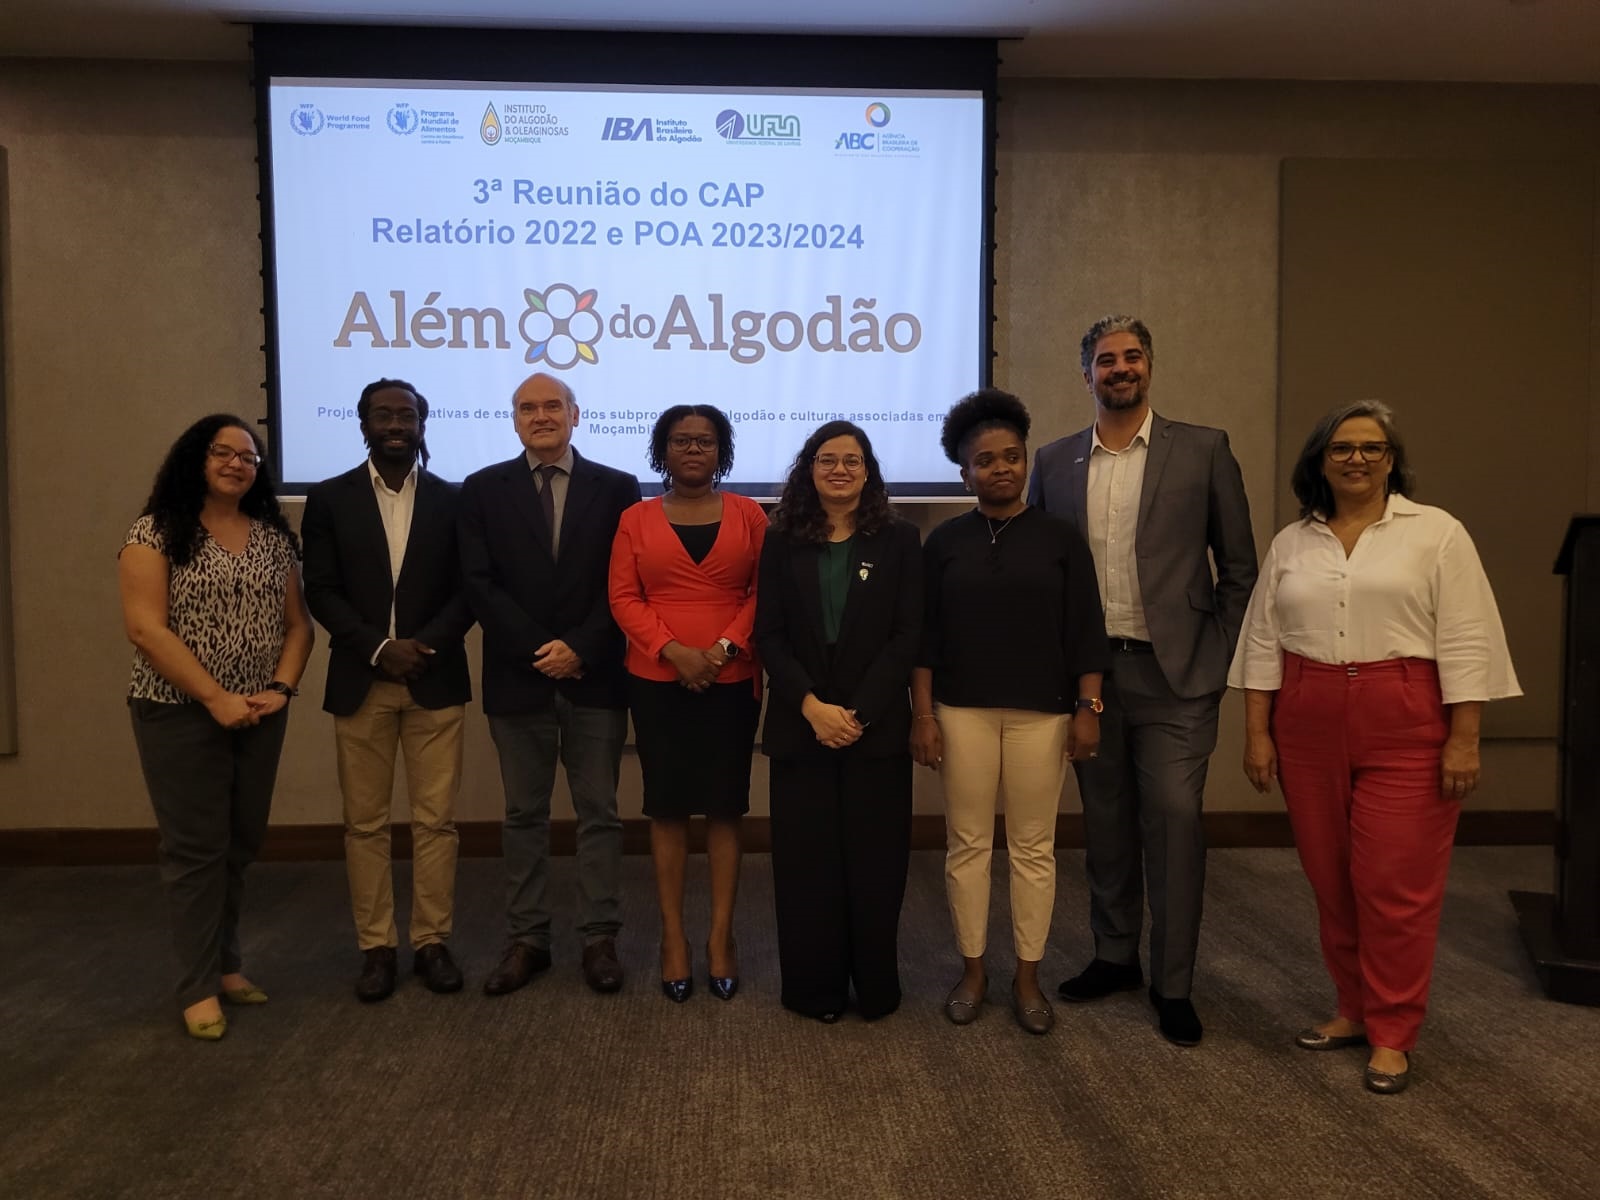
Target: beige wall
{"x":133,"y":306}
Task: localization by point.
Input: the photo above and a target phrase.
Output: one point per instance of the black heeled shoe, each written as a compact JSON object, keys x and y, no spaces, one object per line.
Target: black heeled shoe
{"x":722,"y":987}
{"x":679,"y":990}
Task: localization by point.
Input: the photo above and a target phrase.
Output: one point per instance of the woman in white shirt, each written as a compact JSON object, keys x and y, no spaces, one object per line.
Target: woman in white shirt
{"x":1369,"y":648}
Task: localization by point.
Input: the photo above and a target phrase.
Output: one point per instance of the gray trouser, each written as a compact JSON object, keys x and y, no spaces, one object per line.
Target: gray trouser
{"x":1141,"y":808}
{"x":211,"y":789}
{"x":588,"y":743}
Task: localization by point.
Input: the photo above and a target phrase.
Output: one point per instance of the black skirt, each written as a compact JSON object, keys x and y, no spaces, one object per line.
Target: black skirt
{"x":694,"y":747}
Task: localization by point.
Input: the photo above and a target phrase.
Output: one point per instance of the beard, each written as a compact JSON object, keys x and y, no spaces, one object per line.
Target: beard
{"x":1109,"y":399}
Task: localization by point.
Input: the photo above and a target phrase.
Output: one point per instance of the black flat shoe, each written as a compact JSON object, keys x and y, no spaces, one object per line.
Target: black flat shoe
{"x":963,"y":1011}
{"x":1386,"y":1084}
{"x":1311,"y":1039}
{"x":1034,"y":1019}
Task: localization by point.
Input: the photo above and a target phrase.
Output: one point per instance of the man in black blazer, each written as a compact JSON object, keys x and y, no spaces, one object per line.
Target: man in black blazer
{"x":536,"y":537}
{"x":1162,"y":506}
{"x":383,"y":577}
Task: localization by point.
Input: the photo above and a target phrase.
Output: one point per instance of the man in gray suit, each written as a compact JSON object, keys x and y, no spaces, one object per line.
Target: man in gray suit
{"x":1151,"y":497}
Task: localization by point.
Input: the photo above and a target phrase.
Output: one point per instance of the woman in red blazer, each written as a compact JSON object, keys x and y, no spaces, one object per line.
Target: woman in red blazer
{"x":683,"y":590}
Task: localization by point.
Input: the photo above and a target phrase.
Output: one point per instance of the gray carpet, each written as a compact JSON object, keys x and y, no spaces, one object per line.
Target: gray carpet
{"x":556,"y":1092}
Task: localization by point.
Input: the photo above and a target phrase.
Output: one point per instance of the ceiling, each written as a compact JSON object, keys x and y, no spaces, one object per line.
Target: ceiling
{"x":1525,"y":41}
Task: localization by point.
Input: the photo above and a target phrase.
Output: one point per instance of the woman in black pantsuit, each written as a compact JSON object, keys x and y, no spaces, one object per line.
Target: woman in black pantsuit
{"x":838,"y":617}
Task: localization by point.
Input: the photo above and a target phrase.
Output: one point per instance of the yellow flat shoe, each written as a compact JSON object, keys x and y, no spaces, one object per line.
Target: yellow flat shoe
{"x":206,"y":1031}
{"x":244,"y":995}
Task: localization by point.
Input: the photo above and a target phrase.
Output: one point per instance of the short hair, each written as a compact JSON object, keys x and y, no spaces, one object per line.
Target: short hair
{"x":663,"y":430}
{"x":364,"y":406}
{"x":566,"y":388}
{"x":1307,"y":481}
{"x":977,"y":412}
{"x":179,"y":490}
{"x":800,"y":513}
{"x":1116,"y":323}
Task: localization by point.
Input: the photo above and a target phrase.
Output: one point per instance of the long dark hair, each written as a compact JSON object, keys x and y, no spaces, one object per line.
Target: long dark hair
{"x":1307,"y":481}
{"x":179,"y":491}
{"x":800,"y":513}
{"x":663,"y":430}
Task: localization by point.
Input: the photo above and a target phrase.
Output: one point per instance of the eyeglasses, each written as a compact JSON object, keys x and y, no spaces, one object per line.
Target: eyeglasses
{"x":850,"y":462}
{"x":1370,"y":451}
{"x":682,"y":441}
{"x":226,"y":454}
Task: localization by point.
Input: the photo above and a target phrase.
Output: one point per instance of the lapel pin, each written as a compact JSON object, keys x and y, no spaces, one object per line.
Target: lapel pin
{"x":866,"y":569}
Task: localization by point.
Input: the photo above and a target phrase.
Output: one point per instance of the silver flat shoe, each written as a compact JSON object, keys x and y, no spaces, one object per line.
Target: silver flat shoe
{"x":959,"y":1009}
{"x":1311,"y":1039}
{"x":1386,"y":1084}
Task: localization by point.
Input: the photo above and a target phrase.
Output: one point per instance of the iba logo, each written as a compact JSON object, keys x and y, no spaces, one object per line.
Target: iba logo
{"x":560,"y":326}
{"x":628,"y":129}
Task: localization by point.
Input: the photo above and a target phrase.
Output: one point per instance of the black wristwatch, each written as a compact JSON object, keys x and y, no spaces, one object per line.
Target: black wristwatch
{"x":282,"y":688}
{"x":728,"y":648}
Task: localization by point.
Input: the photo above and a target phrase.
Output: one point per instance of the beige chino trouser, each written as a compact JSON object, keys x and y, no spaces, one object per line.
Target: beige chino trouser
{"x":1020,"y":756}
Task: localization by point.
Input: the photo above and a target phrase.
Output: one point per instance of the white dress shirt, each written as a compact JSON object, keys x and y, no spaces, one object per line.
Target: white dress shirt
{"x":1413,"y":587}
{"x":1116,"y":481}
{"x":396,"y":509}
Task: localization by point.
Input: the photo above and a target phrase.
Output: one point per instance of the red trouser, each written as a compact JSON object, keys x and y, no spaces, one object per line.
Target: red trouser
{"x":1358,"y":760}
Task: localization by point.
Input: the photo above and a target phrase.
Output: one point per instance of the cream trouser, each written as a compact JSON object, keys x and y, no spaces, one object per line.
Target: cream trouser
{"x":1020,"y":755}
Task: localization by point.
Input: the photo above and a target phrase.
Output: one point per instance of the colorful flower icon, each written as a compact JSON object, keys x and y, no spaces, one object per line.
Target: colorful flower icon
{"x":560,"y":326}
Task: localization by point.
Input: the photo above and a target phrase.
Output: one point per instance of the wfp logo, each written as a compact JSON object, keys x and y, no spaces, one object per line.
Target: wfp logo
{"x":560,"y":326}
{"x":306,"y":120}
{"x":771,"y":129}
{"x":403,"y":119}
{"x":628,"y":129}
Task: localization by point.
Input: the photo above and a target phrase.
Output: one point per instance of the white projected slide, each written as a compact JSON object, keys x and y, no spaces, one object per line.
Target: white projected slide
{"x":789,"y":257}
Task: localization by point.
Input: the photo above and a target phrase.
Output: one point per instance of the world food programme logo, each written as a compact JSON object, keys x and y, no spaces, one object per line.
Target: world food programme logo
{"x":773,"y":129}
{"x":403,"y":119}
{"x":877,"y":115}
{"x":560,"y":326}
{"x":306,"y":120}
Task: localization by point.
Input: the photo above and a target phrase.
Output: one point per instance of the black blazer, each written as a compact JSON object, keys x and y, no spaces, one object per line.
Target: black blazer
{"x":524,"y":597}
{"x":349,"y":588}
{"x":869,"y":668}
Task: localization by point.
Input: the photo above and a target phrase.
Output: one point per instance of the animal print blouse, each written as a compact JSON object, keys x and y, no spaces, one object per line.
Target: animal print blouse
{"x":227,"y":608}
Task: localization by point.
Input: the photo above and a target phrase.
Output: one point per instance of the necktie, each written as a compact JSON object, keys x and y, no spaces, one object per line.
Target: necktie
{"x":547,"y":501}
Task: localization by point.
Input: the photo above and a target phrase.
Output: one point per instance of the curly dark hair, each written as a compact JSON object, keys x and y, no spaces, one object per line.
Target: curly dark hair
{"x":1307,"y":481}
{"x":982,"y":410}
{"x":179,"y":490}
{"x":364,"y":405}
{"x":663,"y":430}
{"x":799,"y":512}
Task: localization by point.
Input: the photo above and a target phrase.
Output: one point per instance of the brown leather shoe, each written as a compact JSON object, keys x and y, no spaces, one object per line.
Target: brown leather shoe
{"x":377,"y":975}
{"x":438,"y":970}
{"x":601,"y":970}
{"x":519,"y":964}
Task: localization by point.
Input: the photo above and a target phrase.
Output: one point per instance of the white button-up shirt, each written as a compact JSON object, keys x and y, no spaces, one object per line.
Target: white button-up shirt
{"x":1116,"y":481}
{"x":1413,"y":587}
{"x":396,"y":509}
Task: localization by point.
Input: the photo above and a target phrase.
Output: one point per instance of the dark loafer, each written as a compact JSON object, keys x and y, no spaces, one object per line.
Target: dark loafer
{"x":1311,"y":1039}
{"x":962,"y":1009}
{"x":519,"y":964}
{"x":1180,"y":1024}
{"x":1099,"y":979}
{"x":437,"y":969}
{"x":601,"y":970}
{"x":1034,"y":1019}
{"x":377,"y":975}
{"x":1386,"y":1084}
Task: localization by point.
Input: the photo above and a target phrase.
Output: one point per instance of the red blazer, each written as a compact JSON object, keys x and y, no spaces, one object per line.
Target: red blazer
{"x":659,"y":594}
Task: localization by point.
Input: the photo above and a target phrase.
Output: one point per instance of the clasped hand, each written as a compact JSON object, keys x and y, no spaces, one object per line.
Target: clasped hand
{"x":557,"y":660}
{"x":697,"y":667}
{"x":233,"y":710}
{"x":835,"y":726}
{"x":403,"y":658}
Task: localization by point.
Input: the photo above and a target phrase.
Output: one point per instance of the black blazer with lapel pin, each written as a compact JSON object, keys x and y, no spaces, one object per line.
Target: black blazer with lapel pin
{"x":350,"y":588}
{"x":869,"y":668}
{"x":524,"y":596}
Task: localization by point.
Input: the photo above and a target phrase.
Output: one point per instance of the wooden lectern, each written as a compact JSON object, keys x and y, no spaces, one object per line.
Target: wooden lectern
{"x":1562,"y":931}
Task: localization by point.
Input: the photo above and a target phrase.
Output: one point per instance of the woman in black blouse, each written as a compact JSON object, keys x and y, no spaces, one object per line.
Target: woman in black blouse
{"x":1006,"y":690}
{"x":837,"y":625}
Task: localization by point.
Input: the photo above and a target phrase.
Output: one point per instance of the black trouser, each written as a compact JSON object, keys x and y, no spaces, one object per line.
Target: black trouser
{"x":841,"y":843}
{"x":211,"y":789}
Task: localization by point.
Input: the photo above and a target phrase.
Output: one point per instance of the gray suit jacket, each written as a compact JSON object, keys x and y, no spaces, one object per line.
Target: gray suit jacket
{"x":1193,"y":500}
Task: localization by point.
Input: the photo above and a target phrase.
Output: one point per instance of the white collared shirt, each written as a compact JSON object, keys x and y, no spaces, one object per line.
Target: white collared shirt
{"x":1116,"y":481}
{"x":1413,"y":587}
{"x":396,"y":509}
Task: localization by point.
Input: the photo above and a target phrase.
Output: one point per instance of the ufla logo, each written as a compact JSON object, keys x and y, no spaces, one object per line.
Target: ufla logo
{"x":771,"y":128}
{"x":561,"y":325}
{"x":306,"y":119}
{"x":403,"y":119}
{"x":489,"y":127}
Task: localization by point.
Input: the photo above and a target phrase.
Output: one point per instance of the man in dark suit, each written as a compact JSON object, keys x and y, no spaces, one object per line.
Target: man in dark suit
{"x":383,"y":577}
{"x":1161,"y":503}
{"x":536,"y":537}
